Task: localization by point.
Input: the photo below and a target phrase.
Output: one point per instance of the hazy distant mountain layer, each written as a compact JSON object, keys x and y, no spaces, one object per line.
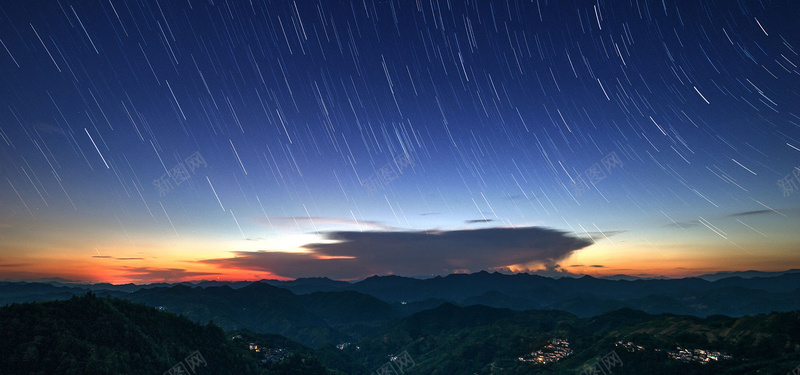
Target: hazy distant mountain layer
{"x":585,"y":297}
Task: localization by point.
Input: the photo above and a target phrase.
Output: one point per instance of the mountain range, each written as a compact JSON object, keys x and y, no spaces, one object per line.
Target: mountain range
{"x":737,"y":294}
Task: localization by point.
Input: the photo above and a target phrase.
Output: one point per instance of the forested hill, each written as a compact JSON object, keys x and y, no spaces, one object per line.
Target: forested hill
{"x":93,"y":335}
{"x":99,"y":335}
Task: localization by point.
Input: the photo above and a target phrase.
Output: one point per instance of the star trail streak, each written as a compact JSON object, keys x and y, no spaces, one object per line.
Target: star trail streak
{"x":363,"y":137}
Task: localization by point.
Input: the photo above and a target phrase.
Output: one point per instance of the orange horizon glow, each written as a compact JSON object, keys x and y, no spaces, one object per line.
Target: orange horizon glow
{"x":145,"y":258}
{"x":142,"y":272}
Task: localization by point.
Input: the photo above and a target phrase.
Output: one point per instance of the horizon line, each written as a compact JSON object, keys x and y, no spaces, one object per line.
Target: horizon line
{"x":560,"y":275}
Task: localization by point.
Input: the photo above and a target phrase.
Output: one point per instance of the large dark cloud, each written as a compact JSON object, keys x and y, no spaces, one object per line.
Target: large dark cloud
{"x":361,"y":254}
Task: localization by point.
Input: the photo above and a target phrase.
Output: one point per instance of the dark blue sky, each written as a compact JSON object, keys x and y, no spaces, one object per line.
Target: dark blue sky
{"x":168,"y":140}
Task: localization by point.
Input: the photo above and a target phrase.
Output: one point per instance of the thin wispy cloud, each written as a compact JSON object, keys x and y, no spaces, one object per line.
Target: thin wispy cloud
{"x":115,"y":258}
{"x":150,"y":274}
{"x":478,"y":221}
{"x":319,"y":223}
{"x":684,"y":224}
{"x":749,"y":213}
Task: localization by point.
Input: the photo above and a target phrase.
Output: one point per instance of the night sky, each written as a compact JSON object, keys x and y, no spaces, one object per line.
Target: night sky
{"x":147,"y":141}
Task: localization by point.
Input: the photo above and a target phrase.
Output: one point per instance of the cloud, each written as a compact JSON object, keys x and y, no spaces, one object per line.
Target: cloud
{"x":14,"y":265}
{"x":476,"y":221}
{"x":47,"y":128}
{"x":320,"y":221}
{"x":115,"y":258}
{"x":361,"y":254}
{"x":147,"y":274}
{"x":747,"y":213}
{"x":684,"y":224}
{"x":551,"y":269}
{"x":696,"y":223}
{"x":604,"y":234}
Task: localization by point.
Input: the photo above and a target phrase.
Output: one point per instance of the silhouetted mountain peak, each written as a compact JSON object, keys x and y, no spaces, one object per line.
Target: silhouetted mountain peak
{"x":264,"y":288}
{"x":313,"y":279}
{"x":180,"y":287}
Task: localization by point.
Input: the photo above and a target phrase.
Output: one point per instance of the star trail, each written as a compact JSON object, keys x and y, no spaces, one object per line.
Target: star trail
{"x":151,"y":140}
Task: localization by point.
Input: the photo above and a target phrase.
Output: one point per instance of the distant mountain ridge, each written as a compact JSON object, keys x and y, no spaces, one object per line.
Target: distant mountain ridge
{"x":744,"y":274}
{"x":315,"y":284}
{"x":484,"y":316}
{"x":757,"y":291}
{"x":318,"y":310}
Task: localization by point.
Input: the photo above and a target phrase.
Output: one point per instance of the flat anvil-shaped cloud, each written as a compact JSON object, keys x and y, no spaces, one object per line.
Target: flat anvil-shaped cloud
{"x":361,"y":254}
